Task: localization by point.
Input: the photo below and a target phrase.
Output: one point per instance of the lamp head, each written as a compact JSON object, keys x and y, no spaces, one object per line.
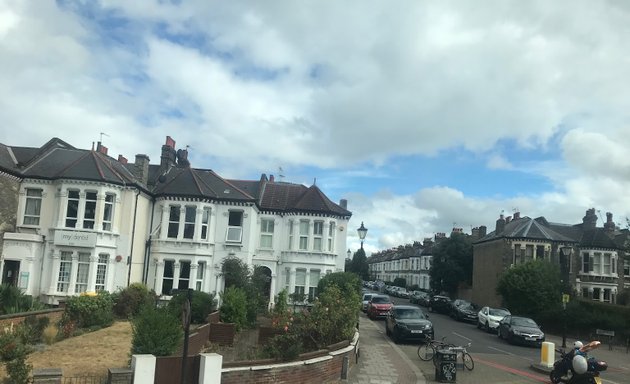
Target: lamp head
{"x":362,"y":231}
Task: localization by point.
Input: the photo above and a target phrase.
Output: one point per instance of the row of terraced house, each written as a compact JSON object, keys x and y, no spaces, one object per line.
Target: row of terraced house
{"x":593,"y":259}
{"x":76,"y":220}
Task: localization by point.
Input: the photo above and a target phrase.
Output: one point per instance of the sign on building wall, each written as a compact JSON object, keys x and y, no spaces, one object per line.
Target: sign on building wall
{"x":23,"y":282}
{"x":75,"y":239}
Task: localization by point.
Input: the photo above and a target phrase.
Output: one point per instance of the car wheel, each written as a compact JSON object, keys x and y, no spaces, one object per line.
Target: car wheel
{"x":396,"y":336}
{"x":555,"y":376}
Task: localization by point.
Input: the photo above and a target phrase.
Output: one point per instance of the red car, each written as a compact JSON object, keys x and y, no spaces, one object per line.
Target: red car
{"x":379,"y":306}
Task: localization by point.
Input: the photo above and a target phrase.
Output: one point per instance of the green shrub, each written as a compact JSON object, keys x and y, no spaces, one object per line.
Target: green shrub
{"x":286,"y":346}
{"x":88,"y":311}
{"x":129,"y":301}
{"x":13,"y":300}
{"x":32,"y":328}
{"x":234,"y":307}
{"x":13,"y":352}
{"x":201,"y":305}
{"x":156,"y":331}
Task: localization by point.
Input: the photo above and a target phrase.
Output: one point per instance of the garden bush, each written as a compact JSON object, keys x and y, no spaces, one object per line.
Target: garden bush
{"x":129,"y":301}
{"x":201,"y":305}
{"x":156,"y":331}
{"x":13,"y":353}
{"x":13,"y":300}
{"x":234,"y":307}
{"x":87,"y":311}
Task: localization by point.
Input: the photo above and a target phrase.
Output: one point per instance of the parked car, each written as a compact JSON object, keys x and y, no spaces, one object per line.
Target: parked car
{"x":518,"y":329}
{"x":456,"y":303}
{"x":379,"y":306}
{"x":406,"y":322}
{"x":365,"y":300}
{"x":488,"y":318}
{"x":419,"y":297}
{"x":402,"y":292}
{"x":440,"y":304}
{"x":465,"y":312}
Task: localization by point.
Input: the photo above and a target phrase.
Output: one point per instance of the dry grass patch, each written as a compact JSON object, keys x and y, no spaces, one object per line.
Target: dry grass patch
{"x":90,"y":354}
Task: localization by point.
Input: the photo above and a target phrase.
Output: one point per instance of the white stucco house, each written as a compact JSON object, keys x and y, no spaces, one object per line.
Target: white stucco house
{"x":86,"y":222}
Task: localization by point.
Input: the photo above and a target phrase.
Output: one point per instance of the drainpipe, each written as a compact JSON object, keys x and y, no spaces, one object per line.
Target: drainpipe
{"x":147,"y":249}
{"x":41,"y":265}
{"x":133,"y":235}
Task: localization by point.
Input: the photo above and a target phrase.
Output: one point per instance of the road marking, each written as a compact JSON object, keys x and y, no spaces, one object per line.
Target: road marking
{"x":502,"y":351}
{"x":542,"y":379}
{"x":462,"y":336}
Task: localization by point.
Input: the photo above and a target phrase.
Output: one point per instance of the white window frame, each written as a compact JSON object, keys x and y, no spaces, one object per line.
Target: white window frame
{"x":234,"y":233}
{"x":72,"y":208}
{"x":300,"y":281}
{"x":65,"y":271}
{"x":205,"y":223}
{"x":89,"y":209}
{"x":168,"y":275}
{"x":174,"y":216}
{"x":184,"y":266}
{"x":108,"y":211}
{"x":33,"y":206}
{"x":266,"y":233}
{"x":597,"y":263}
{"x":201,"y":272}
{"x":101,"y":272}
{"x":606,"y":264}
{"x":315,"y":275}
{"x":331,"y":236}
{"x":83,"y":273}
{"x":290,"y":235}
{"x":318,"y":235}
{"x":304,"y":235}
{"x":190,"y":216}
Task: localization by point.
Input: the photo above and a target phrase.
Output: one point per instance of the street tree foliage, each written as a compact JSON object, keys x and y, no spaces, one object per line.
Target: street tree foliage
{"x":156,"y":331}
{"x":531,"y":288}
{"x":452,"y":264}
{"x":359,"y":265}
{"x":347,"y":282}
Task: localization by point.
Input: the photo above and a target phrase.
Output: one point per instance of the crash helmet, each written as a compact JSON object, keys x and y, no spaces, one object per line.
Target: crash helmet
{"x":580,"y":365}
{"x":577,"y":344}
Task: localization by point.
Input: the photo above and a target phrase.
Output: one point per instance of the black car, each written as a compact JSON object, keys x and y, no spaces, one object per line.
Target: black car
{"x":464,"y":312}
{"x":440,"y":304}
{"x":406,"y":322}
{"x":419,"y":297}
{"x":518,"y":329}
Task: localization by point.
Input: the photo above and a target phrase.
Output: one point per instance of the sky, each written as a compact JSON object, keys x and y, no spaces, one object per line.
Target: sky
{"x":424,"y":115}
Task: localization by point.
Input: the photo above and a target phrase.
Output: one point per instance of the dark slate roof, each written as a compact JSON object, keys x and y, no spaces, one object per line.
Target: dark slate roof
{"x":527,"y":228}
{"x":597,"y":238}
{"x":199,"y":183}
{"x":58,"y":160}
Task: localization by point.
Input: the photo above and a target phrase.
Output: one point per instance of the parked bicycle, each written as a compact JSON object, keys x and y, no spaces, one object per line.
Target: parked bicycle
{"x":426,"y":350}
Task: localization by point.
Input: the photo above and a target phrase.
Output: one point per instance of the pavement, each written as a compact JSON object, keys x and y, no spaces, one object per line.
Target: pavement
{"x":380,"y":360}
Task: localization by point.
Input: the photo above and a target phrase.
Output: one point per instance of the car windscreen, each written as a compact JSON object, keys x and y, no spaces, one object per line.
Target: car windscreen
{"x":380,"y":300}
{"x":498,"y":312}
{"x":367,"y":297}
{"x":467,"y":307}
{"x":408,"y":313}
{"x":523,"y":322}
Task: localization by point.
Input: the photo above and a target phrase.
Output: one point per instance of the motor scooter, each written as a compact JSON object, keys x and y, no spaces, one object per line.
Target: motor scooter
{"x":574,"y":367}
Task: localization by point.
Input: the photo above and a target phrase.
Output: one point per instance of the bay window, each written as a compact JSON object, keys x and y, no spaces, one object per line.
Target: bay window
{"x":108,"y":212}
{"x":331,"y":236}
{"x":101,"y":272}
{"x":83,"y":269}
{"x":65,"y":269}
{"x":205,"y":220}
{"x":72,"y":210}
{"x":184,"y":275}
{"x":304,"y":234}
{"x":89,"y":213}
{"x":189,"y":222}
{"x":300,"y":281}
{"x":201,"y":270}
{"x":167,"y":277}
{"x":173,"y":221}
{"x":318,"y":232}
{"x":313,"y":282}
{"x":235,"y":226}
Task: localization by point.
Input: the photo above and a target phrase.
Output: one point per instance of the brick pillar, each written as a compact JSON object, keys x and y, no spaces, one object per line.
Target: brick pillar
{"x":119,"y":376}
{"x":47,"y":376}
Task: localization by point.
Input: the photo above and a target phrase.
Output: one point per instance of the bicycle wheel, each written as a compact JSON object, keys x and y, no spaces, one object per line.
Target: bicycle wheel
{"x":468,"y":361}
{"x":426,"y":352}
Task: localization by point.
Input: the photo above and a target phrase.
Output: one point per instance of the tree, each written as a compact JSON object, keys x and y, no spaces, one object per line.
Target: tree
{"x":359,"y":265}
{"x":346,"y":281}
{"x":156,"y":331}
{"x":531,"y":288}
{"x":452,"y":264}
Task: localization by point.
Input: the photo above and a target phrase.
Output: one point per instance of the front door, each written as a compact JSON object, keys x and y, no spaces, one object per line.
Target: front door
{"x":10,"y":272}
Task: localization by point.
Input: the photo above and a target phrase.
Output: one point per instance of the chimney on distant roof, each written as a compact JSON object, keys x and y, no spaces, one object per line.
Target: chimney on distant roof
{"x":141,"y":170}
{"x":508,"y":219}
{"x":500,"y":225}
{"x":122,"y":159}
{"x":101,"y":148}
{"x":483,"y":231}
{"x":271,"y":178}
{"x":517,"y":215}
{"x":343,"y":203}
{"x":590,"y":219}
{"x":167,"y":159}
{"x":609,"y":226}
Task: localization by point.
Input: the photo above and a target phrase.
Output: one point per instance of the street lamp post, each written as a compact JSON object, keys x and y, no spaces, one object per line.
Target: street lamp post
{"x":349,"y":253}
{"x":362,"y":231}
{"x":565,"y":254}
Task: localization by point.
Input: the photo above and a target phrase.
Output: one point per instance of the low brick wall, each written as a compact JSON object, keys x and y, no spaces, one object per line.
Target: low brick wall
{"x":317,"y":367}
{"x":54,"y":315}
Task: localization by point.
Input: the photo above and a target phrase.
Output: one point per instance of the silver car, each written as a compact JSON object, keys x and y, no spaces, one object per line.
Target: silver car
{"x":488,"y":318}
{"x":365,"y":300}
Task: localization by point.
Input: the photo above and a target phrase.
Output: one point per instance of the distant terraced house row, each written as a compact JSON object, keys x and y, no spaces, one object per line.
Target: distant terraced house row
{"x":74,"y":221}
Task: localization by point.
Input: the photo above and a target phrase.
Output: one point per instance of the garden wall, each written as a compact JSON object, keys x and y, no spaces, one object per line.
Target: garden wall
{"x":54,"y":315}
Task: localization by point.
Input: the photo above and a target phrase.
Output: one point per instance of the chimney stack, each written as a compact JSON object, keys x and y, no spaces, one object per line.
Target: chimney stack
{"x":101,"y":148}
{"x":500,"y":225}
{"x":167,"y":159}
{"x":517,"y":215}
{"x":483,"y":231}
{"x":142,"y":168}
{"x":343,"y":203}
{"x":271,"y":178}
{"x":122,"y":159}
